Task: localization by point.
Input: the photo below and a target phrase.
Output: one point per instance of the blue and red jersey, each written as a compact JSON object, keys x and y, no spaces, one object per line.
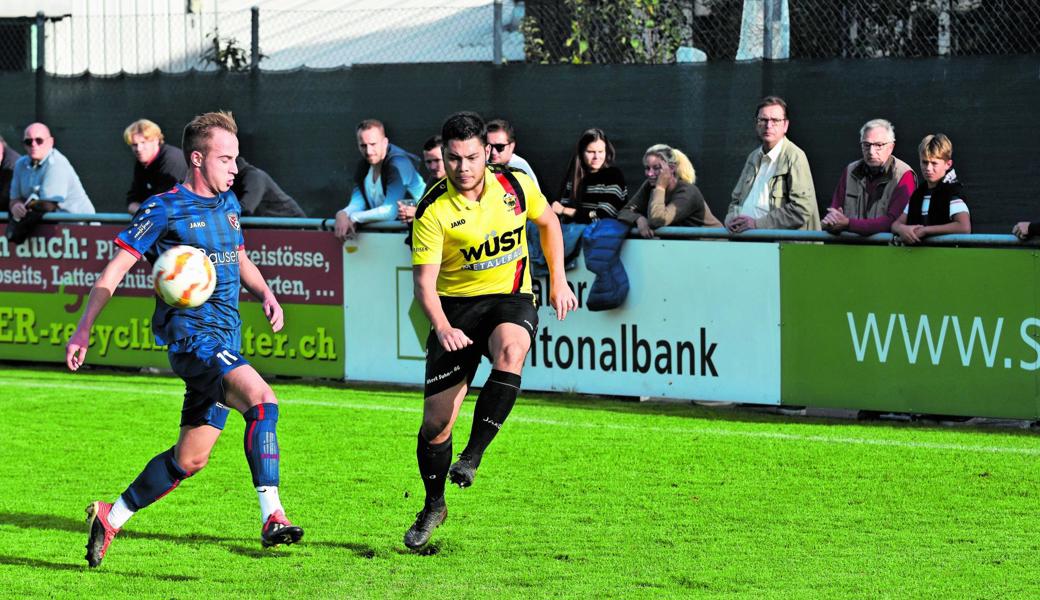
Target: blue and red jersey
{"x":180,"y":217}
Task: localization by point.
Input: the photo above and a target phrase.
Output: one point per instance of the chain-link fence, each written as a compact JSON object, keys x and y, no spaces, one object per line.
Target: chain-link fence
{"x":644,"y":31}
{"x":533,"y":31}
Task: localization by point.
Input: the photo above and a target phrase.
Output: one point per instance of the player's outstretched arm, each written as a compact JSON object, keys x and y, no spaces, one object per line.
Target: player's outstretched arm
{"x":424,"y":279}
{"x":561,"y":297}
{"x":257,"y":286}
{"x":104,"y":288}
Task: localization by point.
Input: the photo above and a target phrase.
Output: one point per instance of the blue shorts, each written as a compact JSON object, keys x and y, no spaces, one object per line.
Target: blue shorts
{"x":202,"y":361}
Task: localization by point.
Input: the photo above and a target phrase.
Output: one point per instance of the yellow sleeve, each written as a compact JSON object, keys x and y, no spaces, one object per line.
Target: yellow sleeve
{"x":427,"y":240}
{"x":536,"y":202}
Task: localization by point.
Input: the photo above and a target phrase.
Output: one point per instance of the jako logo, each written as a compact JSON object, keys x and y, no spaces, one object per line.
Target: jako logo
{"x":494,"y":246}
{"x":197,"y":224}
{"x":457,"y":223}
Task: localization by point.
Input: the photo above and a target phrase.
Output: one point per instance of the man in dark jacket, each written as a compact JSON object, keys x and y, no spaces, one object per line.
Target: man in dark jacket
{"x":260,"y":196}
{"x":159,"y":166}
{"x":7,"y":159}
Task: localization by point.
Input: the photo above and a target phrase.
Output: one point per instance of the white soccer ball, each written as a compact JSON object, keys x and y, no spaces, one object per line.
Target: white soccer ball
{"x":184,"y":277}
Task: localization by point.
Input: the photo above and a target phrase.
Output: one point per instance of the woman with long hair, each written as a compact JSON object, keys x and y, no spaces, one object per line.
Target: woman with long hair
{"x":593,"y":188}
{"x":668,"y":196}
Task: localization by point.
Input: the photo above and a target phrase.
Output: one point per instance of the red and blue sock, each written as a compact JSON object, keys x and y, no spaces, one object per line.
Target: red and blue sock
{"x":261,"y":444}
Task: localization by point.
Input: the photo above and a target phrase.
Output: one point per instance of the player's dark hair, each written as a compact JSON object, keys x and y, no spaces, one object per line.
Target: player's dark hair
{"x":463,"y":126}
{"x":200,"y":129}
{"x":432,"y":143}
{"x":501,"y":125}
{"x":772,"y":101}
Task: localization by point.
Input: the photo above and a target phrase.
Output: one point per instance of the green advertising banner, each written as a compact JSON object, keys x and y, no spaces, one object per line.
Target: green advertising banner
{"x":44,"y":283}
{"x":950,"y":331}
{"x":37,"y":327}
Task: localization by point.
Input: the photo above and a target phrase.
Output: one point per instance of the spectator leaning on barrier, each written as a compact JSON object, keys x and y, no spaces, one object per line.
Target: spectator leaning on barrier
{"x":668,"y":196}
{"x":43,"y":181}
{"x":937,"y":207}
{"x":385,"y":175}
{"x":502,"y":140}
{"x":159,"y":166}
{"x":775,"y":189}
{"x":873,"y":191}
{"x":8,"y":157}
{"x":260,"y":196}
{"x":593,"y":187}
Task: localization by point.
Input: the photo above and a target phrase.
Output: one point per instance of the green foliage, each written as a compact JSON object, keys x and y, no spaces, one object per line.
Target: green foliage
{"x":226,"y":54}
{"x":577,"y":497}
{"x":600,"y":31}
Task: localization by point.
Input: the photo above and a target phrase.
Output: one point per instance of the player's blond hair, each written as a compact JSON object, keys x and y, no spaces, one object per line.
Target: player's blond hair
{"x":143,"y":127}
{"x":200,"y":129}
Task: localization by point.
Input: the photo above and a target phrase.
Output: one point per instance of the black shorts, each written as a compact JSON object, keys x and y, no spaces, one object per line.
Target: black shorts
{"x":477,"y":317}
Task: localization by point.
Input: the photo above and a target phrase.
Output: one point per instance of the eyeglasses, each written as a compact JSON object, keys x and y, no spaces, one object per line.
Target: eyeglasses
{"x":29,"y":141}
{"x":499,"y":147}
{"x":766,"y":122}
{"x":874,"y":145}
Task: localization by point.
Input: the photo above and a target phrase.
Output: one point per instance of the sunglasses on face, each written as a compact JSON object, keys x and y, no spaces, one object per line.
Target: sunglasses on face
{"x":499,"y":147}
{"x":38,"y":141}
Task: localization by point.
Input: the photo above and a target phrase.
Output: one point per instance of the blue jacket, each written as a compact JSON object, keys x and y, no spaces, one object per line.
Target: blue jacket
{"x":602,"y":246}
{"x":571,"y":247}
{"x":400,"y":180}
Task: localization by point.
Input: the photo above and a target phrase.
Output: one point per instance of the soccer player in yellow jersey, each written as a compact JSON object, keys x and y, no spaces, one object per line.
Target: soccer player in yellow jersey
{"x":469,"y":264}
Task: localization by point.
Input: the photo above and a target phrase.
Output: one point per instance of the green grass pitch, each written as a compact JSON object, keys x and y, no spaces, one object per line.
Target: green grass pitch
{"x":577,"y":497}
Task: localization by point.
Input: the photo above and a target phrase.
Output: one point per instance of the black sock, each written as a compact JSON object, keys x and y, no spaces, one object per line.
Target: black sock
{"x":434,"y":460}
{"x":493,"y":406}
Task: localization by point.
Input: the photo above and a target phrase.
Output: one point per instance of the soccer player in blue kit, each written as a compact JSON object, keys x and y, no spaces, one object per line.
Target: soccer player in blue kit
{"x":203,"y":342}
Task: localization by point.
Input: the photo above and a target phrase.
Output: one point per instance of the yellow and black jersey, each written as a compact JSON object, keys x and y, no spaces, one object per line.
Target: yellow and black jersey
{"x":481,"y":246}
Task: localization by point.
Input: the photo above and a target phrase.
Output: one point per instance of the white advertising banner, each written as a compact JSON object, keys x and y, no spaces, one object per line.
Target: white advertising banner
{"x":701,"y":322}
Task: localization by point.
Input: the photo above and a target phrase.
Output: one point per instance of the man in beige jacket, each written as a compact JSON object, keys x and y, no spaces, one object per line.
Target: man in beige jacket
{"x":775,"y":189}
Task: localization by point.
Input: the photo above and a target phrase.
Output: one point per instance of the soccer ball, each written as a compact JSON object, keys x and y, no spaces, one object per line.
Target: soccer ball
{"x":184,"y":277}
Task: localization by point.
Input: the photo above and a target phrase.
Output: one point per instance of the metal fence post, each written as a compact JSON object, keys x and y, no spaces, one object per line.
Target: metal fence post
{"x":254,"y":40}
{"x":40,"y":70}
{"x":497,"y":35}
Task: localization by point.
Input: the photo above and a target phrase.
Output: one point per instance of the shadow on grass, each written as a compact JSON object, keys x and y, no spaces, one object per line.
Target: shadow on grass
{"x":60,"y":523}
{"x":359,"y":550}
{"x":19,"y":561}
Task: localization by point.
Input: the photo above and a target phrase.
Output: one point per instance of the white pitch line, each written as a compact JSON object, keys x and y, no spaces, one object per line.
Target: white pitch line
{"x":771,"y":435}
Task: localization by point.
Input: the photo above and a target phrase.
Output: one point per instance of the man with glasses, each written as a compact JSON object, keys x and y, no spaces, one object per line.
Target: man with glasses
{"x":386,"y":175}
{"x":502,"y":141}
{"x":775,"y":189}
{"x":44,"y":180}
{"x":873,"y":191}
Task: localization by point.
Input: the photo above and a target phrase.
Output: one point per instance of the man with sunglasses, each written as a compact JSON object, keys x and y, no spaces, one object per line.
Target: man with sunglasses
{"x":775,"y":189}
{"x":44,"y":180}
{"x":502,"y":141}
{"x":874,"y":190}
